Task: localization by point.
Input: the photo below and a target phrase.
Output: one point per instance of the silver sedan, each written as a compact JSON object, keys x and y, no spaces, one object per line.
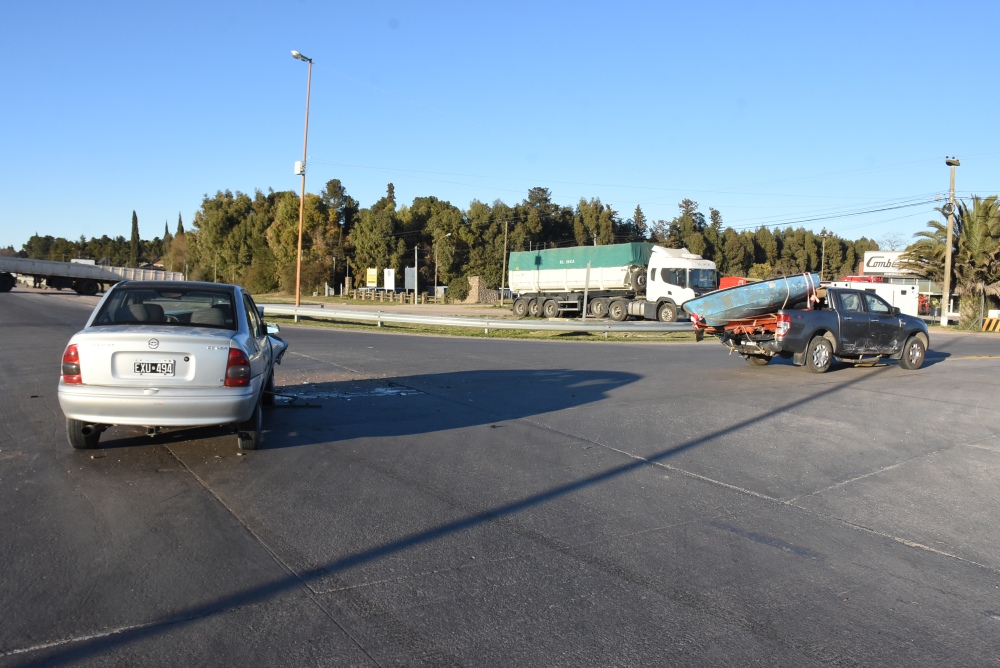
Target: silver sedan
{"x":170,"y":354}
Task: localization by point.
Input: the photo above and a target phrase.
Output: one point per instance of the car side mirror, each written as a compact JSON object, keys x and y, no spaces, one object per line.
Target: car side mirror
{"x":272,"y":328}
{"x":895,"y":310}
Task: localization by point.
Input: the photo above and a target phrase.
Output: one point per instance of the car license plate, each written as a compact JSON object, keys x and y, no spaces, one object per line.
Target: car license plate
{"x":165,"y":368}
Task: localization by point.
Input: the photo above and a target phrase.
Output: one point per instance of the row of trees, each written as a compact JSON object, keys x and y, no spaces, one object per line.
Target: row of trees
{"x":253,"y":240}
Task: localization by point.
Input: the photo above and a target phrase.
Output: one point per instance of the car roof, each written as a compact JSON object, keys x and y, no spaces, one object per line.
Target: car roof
{"x":161,"y":285}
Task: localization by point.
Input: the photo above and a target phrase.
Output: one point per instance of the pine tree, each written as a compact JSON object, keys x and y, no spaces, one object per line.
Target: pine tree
{"x":133,"y":249}
{"x":180,"y":226}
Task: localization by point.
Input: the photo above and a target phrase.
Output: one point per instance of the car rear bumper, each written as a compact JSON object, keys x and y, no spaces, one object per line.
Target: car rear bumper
{"x":150,"y":407}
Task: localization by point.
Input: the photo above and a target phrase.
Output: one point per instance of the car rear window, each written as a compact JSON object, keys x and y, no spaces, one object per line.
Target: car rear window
{"x":181,"y":307}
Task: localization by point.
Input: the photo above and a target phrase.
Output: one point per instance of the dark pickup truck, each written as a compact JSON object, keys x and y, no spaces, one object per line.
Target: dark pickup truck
{"x":853,"y":325}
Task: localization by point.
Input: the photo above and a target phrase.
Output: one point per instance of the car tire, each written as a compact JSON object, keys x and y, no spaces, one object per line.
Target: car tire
{"x":268,"y":397}
{"x":250,"y":434}
{"x":76,"y":437}
{"x":819,"y":355}
{"x":666,"y":312}
{"x":758,"y":360}
{"x":913,"y":354}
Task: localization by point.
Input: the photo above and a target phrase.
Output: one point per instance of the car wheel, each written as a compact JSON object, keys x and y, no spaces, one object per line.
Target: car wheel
{"x":76,"y":437}
{"x":268,"y":398}
{"x":251,"y":433}
{"x":758,"y":360}
{"x":819,"y":355}
{"x":618,"y":311}
{"x":667,"y":312}
{"x":913,"y":354}
{"x":520,"y":307}
{"x":550,"y":309}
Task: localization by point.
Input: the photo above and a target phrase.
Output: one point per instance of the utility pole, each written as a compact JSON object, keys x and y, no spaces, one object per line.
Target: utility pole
{"x":503,"y":265}
{"x":949,"y":209}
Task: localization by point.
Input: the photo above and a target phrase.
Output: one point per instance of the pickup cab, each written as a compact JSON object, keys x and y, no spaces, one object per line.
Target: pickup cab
{"x":852,"y":325}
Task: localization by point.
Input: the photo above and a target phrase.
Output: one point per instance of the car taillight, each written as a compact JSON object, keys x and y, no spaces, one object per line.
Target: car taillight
{"x":784,"y":324}
{"x":71,"y":366}
{"x":237,"y":369}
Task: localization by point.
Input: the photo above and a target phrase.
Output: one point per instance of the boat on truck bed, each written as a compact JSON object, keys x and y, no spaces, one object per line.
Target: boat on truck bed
{"x":82,"y":277}
{"x":855,"y":326}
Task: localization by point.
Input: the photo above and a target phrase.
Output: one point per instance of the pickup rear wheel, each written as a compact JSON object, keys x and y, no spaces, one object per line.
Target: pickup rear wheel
{"x":819,"y":355}
{"x":913,"y":354}
{"x":758,"y":360}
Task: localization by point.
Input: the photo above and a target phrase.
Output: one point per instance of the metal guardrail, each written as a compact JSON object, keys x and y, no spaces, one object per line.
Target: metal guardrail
{"x":486,"y":324}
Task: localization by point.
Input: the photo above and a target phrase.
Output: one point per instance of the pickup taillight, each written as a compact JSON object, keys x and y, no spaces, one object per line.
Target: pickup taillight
{"x":71,"y":366}
{"x":237,"y":369}
{"x":784,"y":324}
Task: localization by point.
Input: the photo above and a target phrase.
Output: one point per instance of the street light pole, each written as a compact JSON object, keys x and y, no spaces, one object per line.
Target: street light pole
{"x":950,"y":210}
{"x":302,"y":200}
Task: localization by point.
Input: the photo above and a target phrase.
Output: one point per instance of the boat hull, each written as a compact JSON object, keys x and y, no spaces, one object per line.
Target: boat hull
{"x":752,"y":299}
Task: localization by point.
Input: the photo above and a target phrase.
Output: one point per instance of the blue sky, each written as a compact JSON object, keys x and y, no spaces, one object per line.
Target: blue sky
{"x":787,"y":113}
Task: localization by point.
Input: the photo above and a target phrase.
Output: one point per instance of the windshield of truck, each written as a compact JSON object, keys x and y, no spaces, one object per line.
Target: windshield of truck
{"x":703,"y":278}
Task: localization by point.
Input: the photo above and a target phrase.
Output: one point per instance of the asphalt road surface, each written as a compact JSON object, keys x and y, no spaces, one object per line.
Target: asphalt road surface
{"x":432,"y":501}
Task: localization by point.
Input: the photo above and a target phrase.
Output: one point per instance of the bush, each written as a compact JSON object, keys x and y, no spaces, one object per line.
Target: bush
{"x":458,"y":289}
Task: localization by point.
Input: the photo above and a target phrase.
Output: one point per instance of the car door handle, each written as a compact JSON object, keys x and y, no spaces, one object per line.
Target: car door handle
{"x":847,"y":317}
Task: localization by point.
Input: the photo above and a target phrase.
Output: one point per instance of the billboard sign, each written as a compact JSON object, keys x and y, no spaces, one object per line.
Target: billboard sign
{"x":883,"y":263}
{"x":371,"y":277}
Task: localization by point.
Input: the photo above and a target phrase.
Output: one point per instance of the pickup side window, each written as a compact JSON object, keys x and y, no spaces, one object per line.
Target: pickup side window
{"x":849,"y":301}
{"x":877,"y":305}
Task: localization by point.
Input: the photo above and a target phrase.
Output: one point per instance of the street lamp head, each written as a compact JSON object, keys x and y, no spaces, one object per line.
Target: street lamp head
{"x":952,"y":162}
{"x":296,"y":54}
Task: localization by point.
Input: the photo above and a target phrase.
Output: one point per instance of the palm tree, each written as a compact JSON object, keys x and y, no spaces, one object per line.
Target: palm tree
{"x":975,"y":254}
{"x":977,"y":262}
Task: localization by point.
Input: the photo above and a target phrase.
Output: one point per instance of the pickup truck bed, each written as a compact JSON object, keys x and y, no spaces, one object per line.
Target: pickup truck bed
{"x":851,"y":325}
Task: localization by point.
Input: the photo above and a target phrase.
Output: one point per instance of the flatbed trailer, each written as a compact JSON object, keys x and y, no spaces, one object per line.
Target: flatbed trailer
{"x":85,"y":279}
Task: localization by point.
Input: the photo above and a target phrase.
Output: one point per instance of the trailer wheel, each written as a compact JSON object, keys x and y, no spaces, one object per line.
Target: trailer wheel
{"x":599,"y":308}
{"x":618,"y":311}
{"x":520,"y":307}
{"x":758,"y":360}
{"x":534,"y":308}
{"x":550,"y":309}
{"x":913,"y":354}
{"x":89,"y":288}
{"x":819,"y":355}
{"x":7,"y":282}
{"x":666,"y":312}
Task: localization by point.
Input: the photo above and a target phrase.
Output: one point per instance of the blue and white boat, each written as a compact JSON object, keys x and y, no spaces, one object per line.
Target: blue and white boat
{"x":751,"y":299}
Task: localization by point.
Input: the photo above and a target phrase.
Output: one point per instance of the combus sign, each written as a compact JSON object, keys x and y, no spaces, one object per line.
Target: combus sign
{"x":883,"y":263}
